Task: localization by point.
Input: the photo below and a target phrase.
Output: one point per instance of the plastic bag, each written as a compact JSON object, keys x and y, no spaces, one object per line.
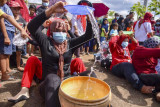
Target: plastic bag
{"x":19,"y":41}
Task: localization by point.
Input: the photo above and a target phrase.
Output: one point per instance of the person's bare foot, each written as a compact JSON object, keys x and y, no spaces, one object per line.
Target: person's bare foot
{"x":20,"y":69}
{"x":9,"y":70}
{"x":33,"y":83}
{"x":6,"y":77}
{"x":147,"y":89}
{"x":158,"y":96}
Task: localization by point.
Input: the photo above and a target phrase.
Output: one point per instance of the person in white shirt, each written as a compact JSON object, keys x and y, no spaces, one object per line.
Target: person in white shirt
{"x":79,"y":25}
{"x":143,"y":28}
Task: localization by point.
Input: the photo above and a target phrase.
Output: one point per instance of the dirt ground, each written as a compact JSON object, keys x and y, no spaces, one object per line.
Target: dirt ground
{"x":123,"y":95}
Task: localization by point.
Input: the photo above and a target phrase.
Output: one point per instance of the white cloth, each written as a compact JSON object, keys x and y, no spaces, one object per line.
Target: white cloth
{"x":77,"y":22}
{"x":157,"y":68}
{"x":141,"y":33}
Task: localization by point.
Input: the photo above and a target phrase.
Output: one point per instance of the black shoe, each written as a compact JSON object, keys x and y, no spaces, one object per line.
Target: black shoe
{"x":23,"y":97}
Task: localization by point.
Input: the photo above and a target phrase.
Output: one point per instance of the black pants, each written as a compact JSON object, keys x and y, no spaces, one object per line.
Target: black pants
{"x":50,"y":86}
{"x":151,"y":80}
{"x":127,"y":71}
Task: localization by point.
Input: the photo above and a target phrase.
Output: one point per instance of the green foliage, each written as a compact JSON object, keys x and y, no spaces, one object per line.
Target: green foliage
{"x":26,"y":1}
{"x":139,"y":9}
{"x":110,"y":20}
{"x":155,"y":6}
{"x":111,"y":14}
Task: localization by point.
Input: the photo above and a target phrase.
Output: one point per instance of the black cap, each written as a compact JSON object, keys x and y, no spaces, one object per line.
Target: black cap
{"x":116,"y":14}
{"x":85,"y":1}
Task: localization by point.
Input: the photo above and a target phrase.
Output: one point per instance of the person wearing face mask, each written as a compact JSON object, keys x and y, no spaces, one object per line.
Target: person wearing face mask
{"x":116,"y":18}
{"x":122,"y":63}
{"x":146,"y":63}
{"x":57,"y":53}
{"x":45,"y":4}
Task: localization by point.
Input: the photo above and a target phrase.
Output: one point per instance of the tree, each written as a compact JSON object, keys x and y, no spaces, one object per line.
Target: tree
{"x":111,"y":14}
{"x":139,"y":9}
{"x":155,"y":7}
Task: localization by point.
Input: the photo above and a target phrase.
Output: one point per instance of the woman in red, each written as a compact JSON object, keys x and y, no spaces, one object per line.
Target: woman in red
{"x":145,"y":60}
{"x":122,"y":63}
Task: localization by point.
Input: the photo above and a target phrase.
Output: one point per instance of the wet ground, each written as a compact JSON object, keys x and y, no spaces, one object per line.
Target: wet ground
{"x":123,"y":95}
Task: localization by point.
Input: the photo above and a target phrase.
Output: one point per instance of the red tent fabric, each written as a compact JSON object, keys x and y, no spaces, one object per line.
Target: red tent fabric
{"x":100,"y":9}
{"x":24,"y":11}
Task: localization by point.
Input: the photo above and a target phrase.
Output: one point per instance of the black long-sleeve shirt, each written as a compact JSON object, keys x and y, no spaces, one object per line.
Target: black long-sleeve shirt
{"x":50,"y":56}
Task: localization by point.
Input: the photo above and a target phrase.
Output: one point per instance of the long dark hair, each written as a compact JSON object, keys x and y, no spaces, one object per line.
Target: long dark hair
{"x":103,"y":24}
{"x":120,"y":20}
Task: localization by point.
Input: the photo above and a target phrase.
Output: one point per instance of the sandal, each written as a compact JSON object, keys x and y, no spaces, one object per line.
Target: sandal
{"x":21,"y":98}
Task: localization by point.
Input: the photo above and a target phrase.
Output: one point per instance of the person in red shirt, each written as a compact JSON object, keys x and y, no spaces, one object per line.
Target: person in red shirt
{"x":122,"y":63}
{"x":145,"y":59}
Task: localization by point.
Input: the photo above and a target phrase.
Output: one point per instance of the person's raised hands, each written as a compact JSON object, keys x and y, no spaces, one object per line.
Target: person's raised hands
{"x":59,"y":7}
{"x":56,"y":8}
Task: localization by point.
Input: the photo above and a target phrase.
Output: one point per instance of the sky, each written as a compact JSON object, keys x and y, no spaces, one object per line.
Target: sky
{"x":120,"y":6}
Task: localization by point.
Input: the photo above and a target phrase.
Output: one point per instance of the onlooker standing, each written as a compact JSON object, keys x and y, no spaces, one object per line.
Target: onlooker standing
{"x":120,"y":24}
{"x":104,"y":30}
{"x":7,"y":31}
{"x":101,"y":20}
{"x":128,"y":19}
{"x":116,"y":18}
{"x":15,"y":7}
{"x":143,"y":27}
{"x":79,"y":26}
{"x":136,"y":22}
{"x":45,"y":4}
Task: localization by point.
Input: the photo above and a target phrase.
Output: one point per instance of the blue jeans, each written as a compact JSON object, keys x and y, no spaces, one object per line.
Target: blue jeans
{"x":126,"y":70}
